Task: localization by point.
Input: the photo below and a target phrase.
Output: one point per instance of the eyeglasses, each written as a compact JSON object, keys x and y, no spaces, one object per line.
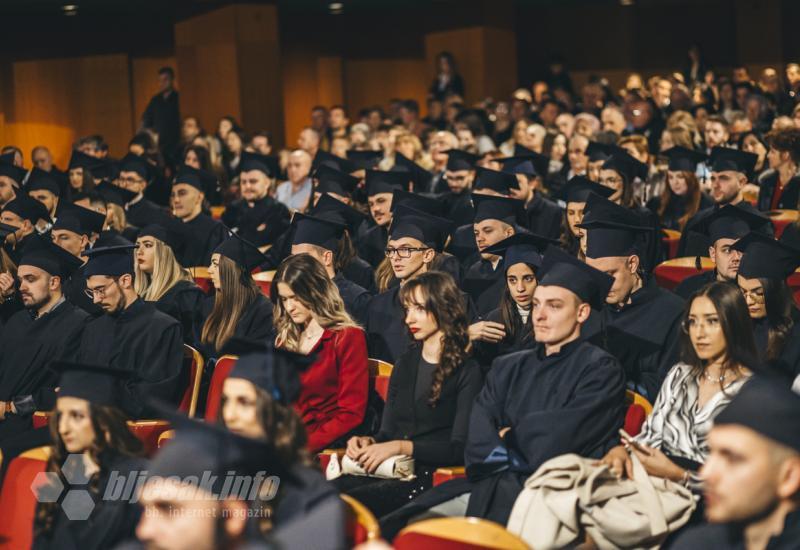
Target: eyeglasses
{"x":100,"y":292}
{"x":756,"y":295}
{"x":404,"y":252}
{"x":610,"y":181}
{"x":710,"y":325}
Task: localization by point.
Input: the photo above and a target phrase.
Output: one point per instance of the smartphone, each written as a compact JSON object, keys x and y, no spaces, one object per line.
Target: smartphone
{"x":628,"y":439}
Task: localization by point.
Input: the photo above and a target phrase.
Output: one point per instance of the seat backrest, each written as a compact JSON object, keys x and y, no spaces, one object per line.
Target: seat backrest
{"x":634,"y":419}
{"x":379,"y":373}
{"x":221,"y":371}
{"x":457,"y":534}
{"x":264,"y":281}
{"x":148,"y":432}
{"x":361,"y":524}
{"x":631,"y":398}
{"x":671,"y":273}
{"x":193,"y":361}
{"x":18,"y":498}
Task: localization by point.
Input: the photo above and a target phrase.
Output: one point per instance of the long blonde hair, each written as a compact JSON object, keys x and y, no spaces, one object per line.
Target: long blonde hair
{"x":239,"y":290}
{"x":166,"y":273}
{"x":116,"y":218}
{"x":315,"y":290}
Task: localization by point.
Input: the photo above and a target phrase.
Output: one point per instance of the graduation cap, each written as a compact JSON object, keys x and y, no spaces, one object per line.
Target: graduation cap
{"x":521,"y":248}
{"x":597,"y":151}
{"x":379,"y":181}
{"x":519,"y":165}
{"x":98,"y":384}
{"x":114,"y":194}
{"x":274,"y":370}
{"x":133,"y":163}
{"x":323,"y":158}
{"x":202,"y":180}
{"x":82,"y":160}
{"x":169,"y":231}
{"x":332,"y":180}
{"x":28,"y":209}
{"x":49,"y":257}
{"x":541,"y":163}
{"x":611,"y":229}
{"x":600,"y":209}
{"x":328,"y":208}
{"x":419,"y":175}
{"x":724,"y":159}
{"x":6,"y":230}
{"x":268,"y":164}
{"x":68,"y":221}
{"x":107,"y":169}
{"x":8,"y":158}
{"x":682,"y":159}
{"x":729,"y":222}
{"x":626,"y":166}
{"x":242,"y":252}
{"x":39,"y":180}
{"x":766,"y":258}
{"x":419,"y":202}
{"x":14,"y":173}
{"x":489,"y":207}
{"x":317,"y":231}
{"x":767,"y":407}
{"x":111,"y":261}
{"x":89,"y":220}
{"x":109,"y":237}
{"x":501,"y":182}
{"x":429,"y":230}
{"x":364,"y":160}
{"x":566,"y":271}
{"x":578,"y":189}
{"x":460,"y":160}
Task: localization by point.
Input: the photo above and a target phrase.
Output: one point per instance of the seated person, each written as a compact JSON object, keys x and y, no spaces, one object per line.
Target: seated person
{"x":202,"y":233}
{"x":574,"y":195}
{"x":311,"y":319}
{"x":431,"y":391}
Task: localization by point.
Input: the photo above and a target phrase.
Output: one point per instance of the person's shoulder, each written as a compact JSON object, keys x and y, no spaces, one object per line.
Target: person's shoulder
{"x":513,"y":360}
{"x":668,"y":299}
{"x":159,"y":319}
{"x":709,"y":535}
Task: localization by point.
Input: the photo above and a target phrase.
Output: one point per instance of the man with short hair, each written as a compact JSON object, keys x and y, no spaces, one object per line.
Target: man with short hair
{"x":41,"y":158}
{"x":261,"y":142}
{"x":716,"y":132}
{"x":45,"y":189}
{"x":296,"y":191}
{"x":309,"y":141}
{"x":613,"y":120}
{"x":338,"y":121}
{"x":27,"y":216}
{"x":752,"y":475}
{"x":203,"y":234}
{"x":576,"y":153}
{"x":459,"y":175}
{"x":134,"y":176}
{"x":440,"y":143}
{"x":163,"y":112}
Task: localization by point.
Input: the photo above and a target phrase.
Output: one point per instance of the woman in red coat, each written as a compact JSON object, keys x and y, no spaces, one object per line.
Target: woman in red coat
{"x":310,"y":318}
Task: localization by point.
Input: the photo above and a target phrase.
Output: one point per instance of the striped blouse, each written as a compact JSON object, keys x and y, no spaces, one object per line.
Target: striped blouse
{"x":677,"y":425}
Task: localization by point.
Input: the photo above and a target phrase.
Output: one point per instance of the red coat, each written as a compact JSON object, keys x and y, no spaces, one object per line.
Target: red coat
{"x":333,"y":398}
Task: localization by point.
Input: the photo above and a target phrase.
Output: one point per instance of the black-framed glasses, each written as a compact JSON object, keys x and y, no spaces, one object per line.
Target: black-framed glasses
{"x":404,"y":252}
{"x":756,"y":295}
{"x":100,"y":292}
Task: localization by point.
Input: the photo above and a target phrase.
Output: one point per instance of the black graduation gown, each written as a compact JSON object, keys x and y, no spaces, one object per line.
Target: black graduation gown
{"x":642,"y":335}
{"x":727,"y":536}
{"x":112,"y":521}
{"x":463,"y":246}
{"x":652,"y":251}
{"x":458,"y":207}
{"x":203,"y":235}
{"x":356,"y":299}
{"x":768,"y":182}
{"x":362,"y":274}
{"x":692,"y":284}
{"x":145,"y":341}
{"x":693,"y":243}
{"x":260,"y":223}
{"x":486,"y":352}
{"x":27,"y":346}
{"x":791,"y":235}
{"x":372,"y":244}
{"x":75,"y":292}
{"x":788,"y":364}
{"x":301,"y":494}
{"x":144,"y":212}
{"x":184,"y":302}
{"x":254,"y":324}
{"x":568,"y":402}
{"x":544,"y":217}
{"x":485,"y":285}
{"x":675,"y":210}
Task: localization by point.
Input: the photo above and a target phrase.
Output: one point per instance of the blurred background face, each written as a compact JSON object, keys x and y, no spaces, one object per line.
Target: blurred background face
{"x":240,"y":408}
{"x":612,"y":180}
{"x":677,"y":183}
{"x":145,"y":253}
{"x":705,"y":330}
{"x":169,"y":522}
{"x":380,"y":207}
{"x":234,"y":143}
{"x":46,"y":198}
{"x":254,"y":185}
{"x":715,"y":134}
{"x":189,"y":129}
{"x":459,"y":180}
{"x":76,"y":178}
{"x":131,"y":181}
{"x":574,"y":217}
{"x":75,"y":424}
{"x":521,"y":283}
{"x":191,"y":160}
{"x":577,"y":154}
{"x":43,"y":160}
{"x":299,"y":166}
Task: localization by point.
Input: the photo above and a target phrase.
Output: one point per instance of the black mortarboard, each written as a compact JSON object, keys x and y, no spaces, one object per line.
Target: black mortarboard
{"x":566,"y":271}
{"x":518,"y":165}
{"x":724,"y":159}
{"x":98,"y":384}
{"x":111,"y":261}
{"x":109,"y":238}
{"x":541,"y":163}
{"x":600,"y":209}
{"x":767,"y":407}
{"x":489,"y":207}
{"x":419,"y":175}
{"x":274,"y":370}
{"x":91,"y":221}
{"x":429,"y":230}
{"x":729,"y":222}
{"x":323,"y":158}
{"x":501,"y":182}
{"x":50,"y":257}
{"x":28,"y":209}
{"x":611,"y":230}
{"x":328,"y":208}
{"x":114,"y":194}
{"x":332,"y":180}
{"x":627,"y":166}
{"x":242,"y":252}
{"x":6,"y":230}
{"x":8,"y":158}
{"x":69,"y":221}
{"x":578,"y":189}
{"x":41,"y":180}
{"x":15,"y":173}
{"x":201,"y":180}
{"x":379,"y":181}
{"x":416,"y":201}
{"x":268,"y":164}
{"x":682,"y":159}
{"x":107,"y":169}
{"x":766,"y":258}
{"x":317,"y":231}
{"x":365,"y":160}
{"x":169,"y":231}
{"x":133,"y":163}
{"x":521,"y":248}
{"x":82,"y":160}
{"x":597,"y":151}
{"x":460,"y":160}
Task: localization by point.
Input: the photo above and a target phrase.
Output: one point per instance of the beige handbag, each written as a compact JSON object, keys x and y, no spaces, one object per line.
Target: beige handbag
{"x":569,"y":496}
{"x":394,"y":467}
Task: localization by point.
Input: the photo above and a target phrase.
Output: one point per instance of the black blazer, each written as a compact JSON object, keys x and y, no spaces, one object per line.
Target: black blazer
{"x":438,"y":433}
{"x":768,"y":182}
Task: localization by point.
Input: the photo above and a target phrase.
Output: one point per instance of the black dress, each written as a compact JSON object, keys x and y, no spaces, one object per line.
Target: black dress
{"x":438,"y":433}
{"x":254,"y":324}
{"x":731,"y":536}
{"x":675,"y":210}
{"x":485,"y":285}
{"x":518,"y":337}
{"x":692,"y":284}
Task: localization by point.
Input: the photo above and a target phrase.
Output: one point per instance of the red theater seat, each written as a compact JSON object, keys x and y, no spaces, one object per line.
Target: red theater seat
{"x":18,"y":500}
{"x":669,"y":274}
{"x":221,"y":371}
{"x":457,"y":534}
{"x":782,"y":218}
{"x":361,"y":525}
{"x":193,"y":361}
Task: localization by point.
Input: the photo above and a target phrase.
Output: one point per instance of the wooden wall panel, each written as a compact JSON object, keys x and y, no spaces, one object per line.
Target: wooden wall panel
{"x":375,"y":81}
{"x":467,"y":45}
{"x":300,"y":91}
{"x":144,"y":82}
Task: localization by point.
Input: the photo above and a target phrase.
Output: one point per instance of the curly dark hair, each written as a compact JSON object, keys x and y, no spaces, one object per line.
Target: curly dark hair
{"x":442,"y":299}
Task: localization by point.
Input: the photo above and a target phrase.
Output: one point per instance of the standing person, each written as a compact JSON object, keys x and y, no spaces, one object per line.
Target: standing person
{"x":310,"y":318}
{"x":162,"y":114}
{"x":447,"y":81}
{"x":203,"y":234}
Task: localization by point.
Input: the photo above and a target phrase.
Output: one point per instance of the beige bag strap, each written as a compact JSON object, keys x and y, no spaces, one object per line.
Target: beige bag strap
{"x":651,"y":504}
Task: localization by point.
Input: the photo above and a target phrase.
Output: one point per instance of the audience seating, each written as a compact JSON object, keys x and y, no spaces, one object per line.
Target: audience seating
{"x":221,"y":371}
{"x":457,"y":534}
{"x":380,"y":372}
{"x":669,"y":274}
{"x":217,"y":212}
{"x":165,"y":437}
{"x":264,"y":281}
{"x":361,"y":525}
{"x":193,"y":361}
{"x":671,"y":239}
{"x":782,"y":218}
{"x":18,"y":500}
{"x":201,"y":278}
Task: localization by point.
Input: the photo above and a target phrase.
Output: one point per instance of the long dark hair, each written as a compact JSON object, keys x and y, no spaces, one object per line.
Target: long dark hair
{"x":111,"y":435}
{"x":779,"y":302}
{"x":202,"y":156}
{"x":568,"y":241}
{"x":734,"y":318}
{"x":442,"y":299}
{"x":239,"y":290}
{"x":693,"y":195}
{"x":508,"y":313}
